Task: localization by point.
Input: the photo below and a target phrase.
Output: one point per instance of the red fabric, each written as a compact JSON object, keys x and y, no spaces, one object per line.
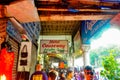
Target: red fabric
{"x":6,"y":63}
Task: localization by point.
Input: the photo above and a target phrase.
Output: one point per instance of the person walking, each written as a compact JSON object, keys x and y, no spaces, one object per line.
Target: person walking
{"x":52,"y":76}
{"x":62,"y":76}
{"x":89,"y":73}
{"x":70,"y":75}
{"x":39,"y":74}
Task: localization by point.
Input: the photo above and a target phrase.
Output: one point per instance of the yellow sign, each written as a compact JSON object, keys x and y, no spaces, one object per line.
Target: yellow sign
{"x":37,"y":77}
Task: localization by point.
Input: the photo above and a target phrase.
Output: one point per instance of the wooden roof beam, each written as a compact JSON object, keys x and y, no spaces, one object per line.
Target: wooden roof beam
{"x":80,"y":10}
{"x":74,"y":17}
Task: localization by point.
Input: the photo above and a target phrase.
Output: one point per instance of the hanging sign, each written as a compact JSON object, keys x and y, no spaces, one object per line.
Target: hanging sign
{"x":25,"y":56}
{"x":54,"y":46}
{"x":90,"y":28}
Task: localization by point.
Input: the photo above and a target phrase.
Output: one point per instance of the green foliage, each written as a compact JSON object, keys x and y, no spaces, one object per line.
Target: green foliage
{"x":111,"y":67}
{"x":96,"y":54}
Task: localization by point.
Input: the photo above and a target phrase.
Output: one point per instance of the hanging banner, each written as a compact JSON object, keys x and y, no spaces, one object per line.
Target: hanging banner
{"x":54,"y":46}
{"x":90,"y":28}
{"x":25,"y":56}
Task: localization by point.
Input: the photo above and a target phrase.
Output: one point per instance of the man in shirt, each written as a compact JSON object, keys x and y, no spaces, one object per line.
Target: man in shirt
{"x":88,"y":71}
{"x":38,"y":74}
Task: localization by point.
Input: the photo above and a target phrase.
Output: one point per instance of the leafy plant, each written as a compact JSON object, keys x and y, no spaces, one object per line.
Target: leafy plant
{"x":111,"y":67}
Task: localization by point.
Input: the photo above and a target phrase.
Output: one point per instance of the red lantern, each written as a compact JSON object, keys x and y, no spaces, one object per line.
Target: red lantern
{"x":6,"y":63}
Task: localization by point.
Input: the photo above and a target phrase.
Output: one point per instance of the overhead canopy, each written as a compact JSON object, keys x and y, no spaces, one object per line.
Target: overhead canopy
{"x":23,"y":11}
{"x":63,"y":17}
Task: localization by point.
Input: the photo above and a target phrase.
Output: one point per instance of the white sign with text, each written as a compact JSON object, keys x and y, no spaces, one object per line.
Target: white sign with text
{"x":54,"y":46}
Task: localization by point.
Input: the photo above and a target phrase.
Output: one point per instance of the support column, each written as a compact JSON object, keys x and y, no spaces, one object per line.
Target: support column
{"x":86,"y":58}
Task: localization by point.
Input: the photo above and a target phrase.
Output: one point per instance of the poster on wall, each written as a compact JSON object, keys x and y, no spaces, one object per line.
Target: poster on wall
{"x":25,"y":56}
{"x":54,"y":46}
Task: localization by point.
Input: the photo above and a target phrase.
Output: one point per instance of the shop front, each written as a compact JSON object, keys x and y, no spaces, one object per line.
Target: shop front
{"x":9,"y":50}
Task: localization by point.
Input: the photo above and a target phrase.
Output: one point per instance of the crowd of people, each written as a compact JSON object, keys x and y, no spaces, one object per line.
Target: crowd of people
{"x":53,"y":74}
